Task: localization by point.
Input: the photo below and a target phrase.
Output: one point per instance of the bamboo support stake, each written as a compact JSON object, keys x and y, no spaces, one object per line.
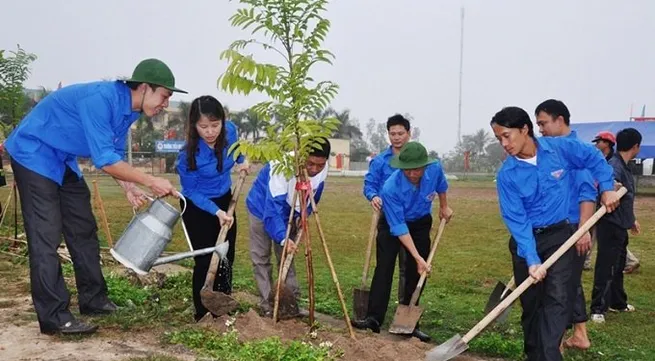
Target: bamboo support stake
{"x":330,"y":264}
{"x":7,"y":203}
{"x":309,"y":259}
{"x":12,"y":254}
{"x":103,"y":216}
{"x":283,"y":257}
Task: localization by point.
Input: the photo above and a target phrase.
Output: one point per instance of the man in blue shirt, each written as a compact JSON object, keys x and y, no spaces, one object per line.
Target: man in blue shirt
{"x":407,"y":197}
{"x":379,"y":170}
{"x":533,"y":194}
{"x":553,"y":119}
{"x":82,"y":120}
{"x":269,"y":204}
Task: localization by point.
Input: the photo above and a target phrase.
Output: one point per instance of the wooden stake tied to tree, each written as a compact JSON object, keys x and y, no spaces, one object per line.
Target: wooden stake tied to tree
{"x":293,"y":31}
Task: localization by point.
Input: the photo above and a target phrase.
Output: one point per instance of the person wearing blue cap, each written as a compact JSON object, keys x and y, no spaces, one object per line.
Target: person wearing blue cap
{"x":407,"y":198}
{"x":82,"y":120}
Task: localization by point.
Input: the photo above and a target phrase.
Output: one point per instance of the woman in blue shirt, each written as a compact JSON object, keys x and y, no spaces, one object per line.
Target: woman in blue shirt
{"x":204,"y":167}
{"x":533,"y":193}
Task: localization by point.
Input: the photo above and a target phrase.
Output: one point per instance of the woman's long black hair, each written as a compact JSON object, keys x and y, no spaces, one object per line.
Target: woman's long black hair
{"x":211,"y":108}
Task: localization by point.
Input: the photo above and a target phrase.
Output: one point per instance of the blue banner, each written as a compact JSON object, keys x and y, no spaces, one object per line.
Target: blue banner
{"x":168,"y":146}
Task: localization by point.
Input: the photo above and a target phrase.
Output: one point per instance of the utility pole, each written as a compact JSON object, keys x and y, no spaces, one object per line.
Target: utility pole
{"x":461,"y":65}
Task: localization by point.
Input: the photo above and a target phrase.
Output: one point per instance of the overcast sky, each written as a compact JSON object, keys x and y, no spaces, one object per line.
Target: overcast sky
{"x":391,"y":55}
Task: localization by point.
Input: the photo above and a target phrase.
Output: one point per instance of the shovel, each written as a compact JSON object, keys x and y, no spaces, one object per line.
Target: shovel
{"x":360,"y":295}
{"x":499,"y":293}
{"x":219,"y":303}
{"x":406,"y":317}
{"x":457,"y":344}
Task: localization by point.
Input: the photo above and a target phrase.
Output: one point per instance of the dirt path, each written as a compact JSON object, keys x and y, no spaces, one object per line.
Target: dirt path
{"x":20,"y":339}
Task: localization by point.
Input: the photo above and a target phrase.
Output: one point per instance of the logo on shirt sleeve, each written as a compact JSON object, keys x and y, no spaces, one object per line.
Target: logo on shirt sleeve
{"x":430,"y":197}
{"x":557,"y":174}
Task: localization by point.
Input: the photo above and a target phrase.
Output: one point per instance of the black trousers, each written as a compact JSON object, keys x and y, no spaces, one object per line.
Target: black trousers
{"x":608,"y":288}
{"x":402,"y":255}
{"x":579,"y":308}
{"x":48,"y":211}
{"x":203,"y":231}
{"x":386,"y":253}
{"x":546,"y":308}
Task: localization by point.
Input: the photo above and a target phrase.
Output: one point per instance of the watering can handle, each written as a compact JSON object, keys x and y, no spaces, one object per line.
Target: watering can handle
{"x":186,"y":233}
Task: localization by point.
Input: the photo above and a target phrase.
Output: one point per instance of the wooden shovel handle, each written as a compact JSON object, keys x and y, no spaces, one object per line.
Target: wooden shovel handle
{"x":421,"y":280}
{"x":289,"y":258}
{"x":213,"y":265}
{"x":371,"y":236}
{"x":510,"y":286}
{"x":529,"y":281}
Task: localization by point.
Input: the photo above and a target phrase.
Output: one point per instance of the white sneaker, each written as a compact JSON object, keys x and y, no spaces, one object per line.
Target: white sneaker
{"x":628,"y":308}
{"x":598,"y":318}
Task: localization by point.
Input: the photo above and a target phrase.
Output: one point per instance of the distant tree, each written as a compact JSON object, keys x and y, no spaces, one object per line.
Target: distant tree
{"x":484,"y":154}
{"x":359,"y":150}
{"x":348,"y":128}
{"x":416,"y":134}
{"x":433,"y":154}
{"x":144,"y":134}
{"x":323,"y":114}
{"x":239,"y":118}
{"x":14,"y":71}
{"x":184,"y":108}
{"x":254,"y":124}
{"x":494,"y":155}
{"x":381,"y":142}
{"x":377,"y":135}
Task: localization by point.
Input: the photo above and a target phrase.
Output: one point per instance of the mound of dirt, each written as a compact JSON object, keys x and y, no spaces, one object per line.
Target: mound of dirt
{"x":367,"y":346}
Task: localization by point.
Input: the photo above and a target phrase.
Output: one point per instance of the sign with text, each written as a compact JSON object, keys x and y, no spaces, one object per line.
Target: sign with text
{"x":168,"y":146}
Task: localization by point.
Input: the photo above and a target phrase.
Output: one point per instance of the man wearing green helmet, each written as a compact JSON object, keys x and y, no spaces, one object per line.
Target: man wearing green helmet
{"x":82,"y":120}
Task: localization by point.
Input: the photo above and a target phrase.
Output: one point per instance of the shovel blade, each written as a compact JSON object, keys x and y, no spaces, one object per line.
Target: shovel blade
{"x":504,"y":315}
{"x":218,"y":303}
{"x":360,"y":302}
{"x":405,"y":319}
{"x":495,"y":298}
{"x":447,"y":350}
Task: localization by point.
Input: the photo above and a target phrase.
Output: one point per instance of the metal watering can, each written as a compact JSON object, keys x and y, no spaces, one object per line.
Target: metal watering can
{"x":148,"y":234}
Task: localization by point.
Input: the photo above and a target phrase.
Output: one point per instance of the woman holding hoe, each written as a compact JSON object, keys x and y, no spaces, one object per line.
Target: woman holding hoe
{"x":204,"y":167}
{"x":533,"y":190}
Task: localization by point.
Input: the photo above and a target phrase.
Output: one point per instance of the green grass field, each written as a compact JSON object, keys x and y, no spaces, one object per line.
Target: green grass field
{"x":471,"y":258}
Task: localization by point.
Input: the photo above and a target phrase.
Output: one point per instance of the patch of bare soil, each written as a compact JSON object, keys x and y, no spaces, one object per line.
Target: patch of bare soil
{"x":366,"y":347}
{"x":20,"y":340}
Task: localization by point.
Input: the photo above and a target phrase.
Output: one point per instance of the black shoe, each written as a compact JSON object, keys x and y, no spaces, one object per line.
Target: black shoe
{"x":74,"y":327}
{"x":424,"y":337}
{"x":105,"y":309}
{"x":367,"y":323}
